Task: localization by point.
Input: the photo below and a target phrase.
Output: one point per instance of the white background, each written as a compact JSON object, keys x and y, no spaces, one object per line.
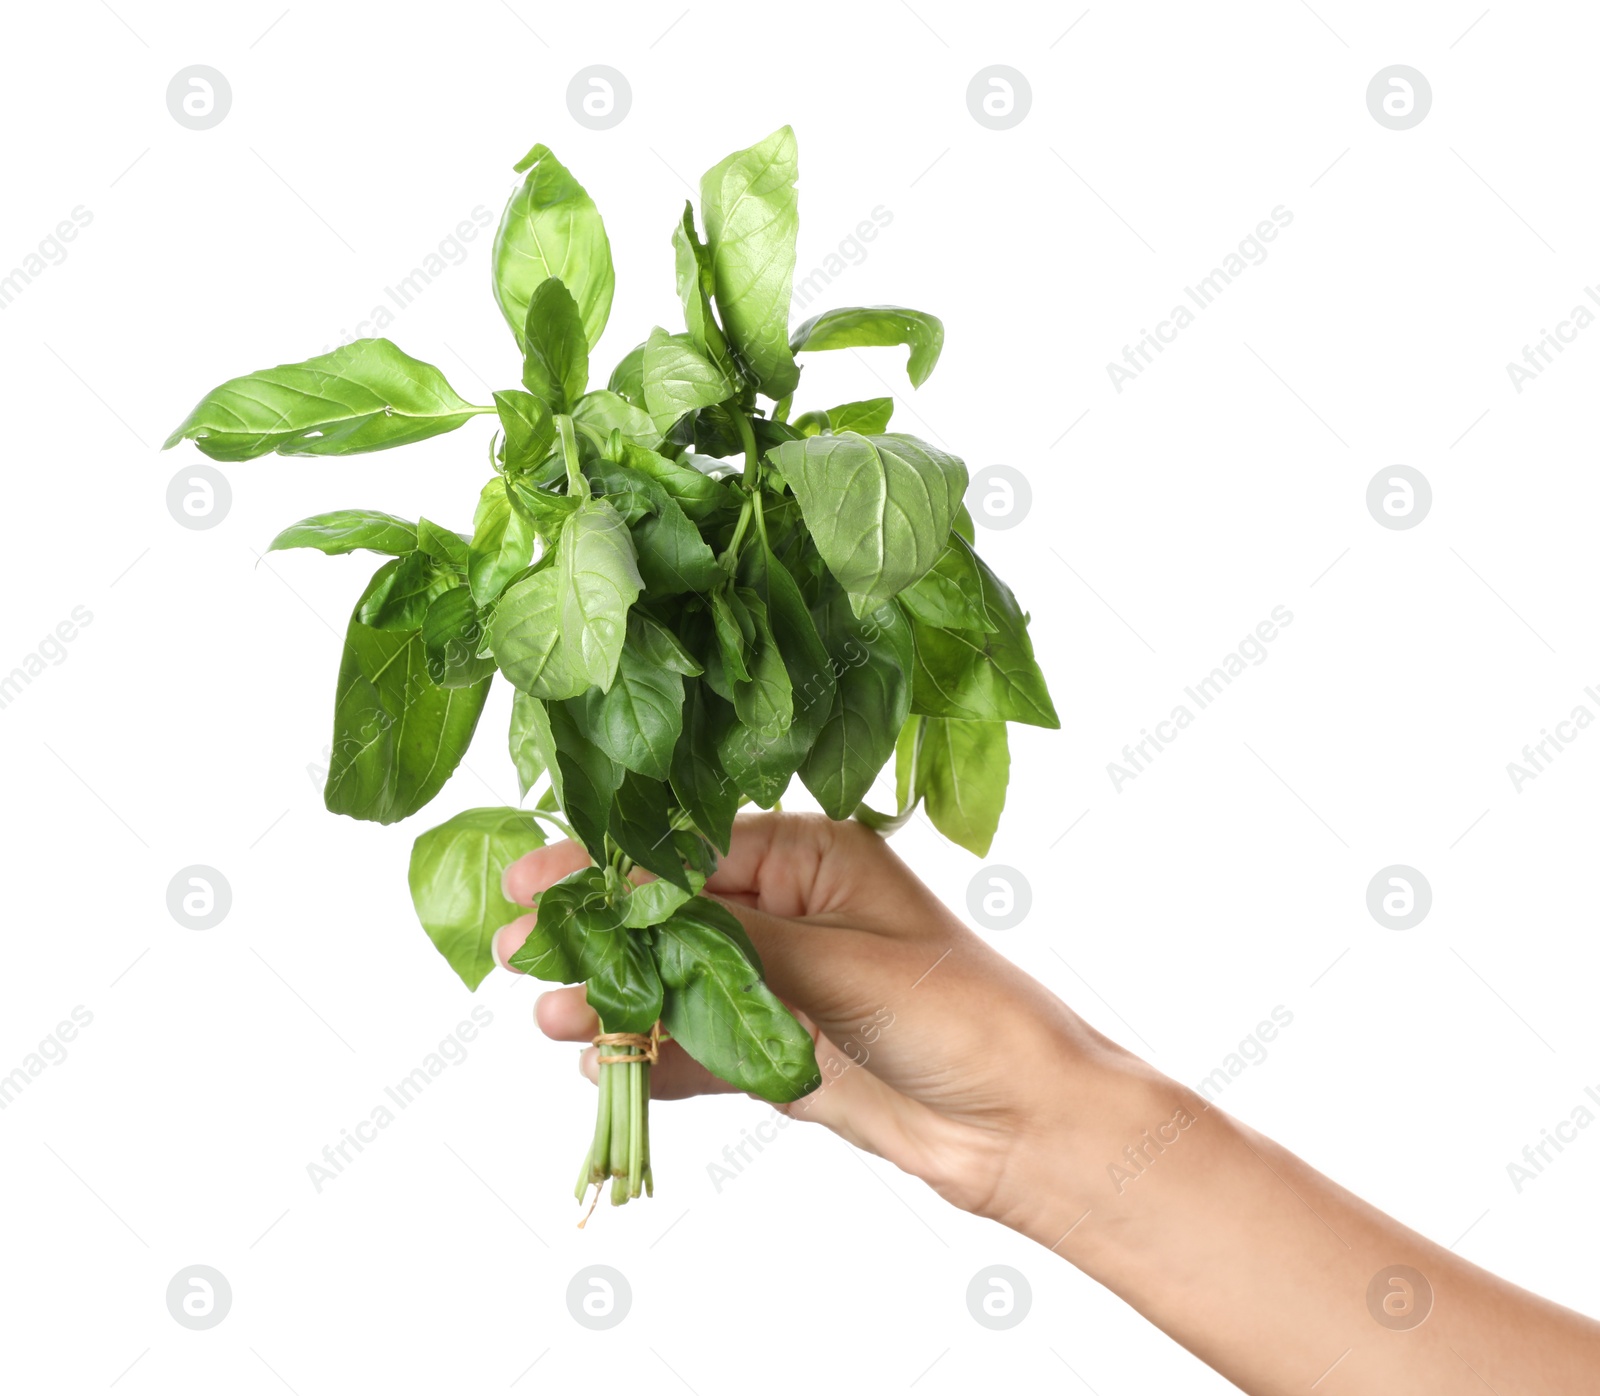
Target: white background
{"x":186,"y":721}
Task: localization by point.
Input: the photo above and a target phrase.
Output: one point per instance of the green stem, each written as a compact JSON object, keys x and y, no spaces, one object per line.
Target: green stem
{"x":577,"y":482}
{"x":752,"y":453}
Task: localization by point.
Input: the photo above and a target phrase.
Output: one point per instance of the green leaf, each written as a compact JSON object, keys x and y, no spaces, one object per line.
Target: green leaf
{"x":752,"y":216}
{"x":582,"y":777}
{"x":546,"y":513}
{"x":401,"y":593}
{"x":696,"y":280}
{"x":673,"y":557}
{"x":442,"y":544}
{"x":627,"y":378}
{"x":455,"y":887}
{"x":529,"y":739}
{"x":365,"y":396}
{"x":602,"y":411}
{"x":950,"y":593}
{"x":554,"y":950}
{"x":811,"y":665}
{"x":529,"y":430}
{"x":905,"y":763}
{"x":679,"y":379}
{"x":703,"y":788}
{"x":551,"y":227}
{"x":869,"y":417}
{"x":452,"y":636}
{"x":864,"y":326}
{"x":502,"y":543}
{"x":641,"y":826}
{"x":983,"y":677}
{"x":555,"y":354}
{"x":651,"y":903}
{"x":719,"y":1010}
{"x":397,"y":736}
{"x":766,"y":700}
{"x":561,"y":629}
{"x":963,"y":525}
{"x":879,"y":508}
{"x":735,"y":633}
{"x":872,"y":660}
{"x":637,"y":720}
{"x":345,"y":530}
{"x":961,"y":771}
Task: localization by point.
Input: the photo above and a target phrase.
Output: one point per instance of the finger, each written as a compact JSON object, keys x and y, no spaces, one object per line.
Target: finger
{"x":564,"y":1015}
{"x":675,"y":1076}
{"x":544,"y":867}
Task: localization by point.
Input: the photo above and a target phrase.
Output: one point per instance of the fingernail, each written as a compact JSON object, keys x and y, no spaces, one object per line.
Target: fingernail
{"x":505,"y":885}
{"x":588,"y":1066}
{"x":494,"y":950}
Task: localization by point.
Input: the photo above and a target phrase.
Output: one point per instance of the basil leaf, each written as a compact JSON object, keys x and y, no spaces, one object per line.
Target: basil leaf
{"x":554,"y":950}
{"x":950,"y":593}
{"x":673,"y":557}
{"x":872,"y":660}
{"x":397,"y":736}
{"x":981,"y":677}
{"x":752,"y":217}
{"x":717,"y":1008}
{"x":555,"y":355}
{"x":545,"y":513}
{"x":810,"y":666}
{"x":452,"y":635}
{"x":529,"y":739}
{"x":559,"y":631}
{"x":766,"y":700}
{"x":529,"y":430}
{"x":637,"y":720}
{"x":582,"y":776}
{"x":651,"y":903}
{"x":879,"y":508}
{"x":602,"y":411}
{"x":619,"y":972}
{"x":442,"y":544}
{"x":345,"y":530}
{"x":963,"y":526}
{"x":703,"y":788}
{"x":502,"y":543}
{"x":868,"y":417}
{"x":365,"y":396}
{"x":627,"y":378}
{"x":961,"y":774}
{"x":735,"y":634}
{"x":402,"y":591}
{"x":697,"y":494}
{"x":906,"y":793}
{"x":864,"y":326}
{"x":678,"y":378}
{"x":551,"y":227}
{"x":455,"y":887}
{"x":641,"y":826}
{"x":696,"y":281}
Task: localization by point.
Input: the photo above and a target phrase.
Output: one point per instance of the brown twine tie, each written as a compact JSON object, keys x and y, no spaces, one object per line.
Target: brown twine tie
{"x":648,"y":1048}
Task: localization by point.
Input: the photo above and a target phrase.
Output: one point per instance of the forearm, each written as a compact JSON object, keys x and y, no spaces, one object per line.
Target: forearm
{"x":1271,"y":1273}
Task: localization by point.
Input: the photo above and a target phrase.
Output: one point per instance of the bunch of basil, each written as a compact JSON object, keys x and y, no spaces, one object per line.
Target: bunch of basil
{"x":694,"y":597}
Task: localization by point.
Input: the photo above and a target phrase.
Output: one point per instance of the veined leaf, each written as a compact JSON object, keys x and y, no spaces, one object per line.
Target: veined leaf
{"x":452,"y":636}
{"x":678,"y":378}
{"x":529,"y":739}
{"x":602,"y":410}
{"x":863,"y":326}
{"x":401,"y":593}
{"x":869,"y":417}
{"x":502,"y":543}
{"x":529,"y":430}
{"x":950,"y":593}
{"x":961,"y":774}
{"x":555,"y":355}
{"x":345,"y":530}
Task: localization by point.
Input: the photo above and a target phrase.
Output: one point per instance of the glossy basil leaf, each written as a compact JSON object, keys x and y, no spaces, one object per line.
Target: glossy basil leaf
{"x":345,"y":530}
{"x":872,"y":662}
{"x":869,"y":417}
{"x":442,"y":544}
{"x":752,"y":216}
{"x":583,"y":778}
{"x":529,"y":739}
{"x":679,"y":378}
{"x":455,"y":887}
{"x":554,"y":950}
{"x":766,"y":699}
{"x":529,"y":430}
{"x":602,"y":411}
{"x":502,"y":543}
{"x":559,"y":631}
{"x":627,"y":378}
{"x":397,"y":736}
{"x":618,"y":970}
{"x":641,"y":826}
{"x":673,"y":557}
{"x":708,"y":794}
{"x":696,"y":281}
{"x":810,"y":665}
{"x":719,"y":1010}
{"x":715,"y":916}
{"x":364,"y":396}
{"x":452,"y":635}
{"x":961,"y":774}
{"x":637,"y":720}
{"x":963,"y":525}
{"x":651,"y":903}
{"x":950,"y":593}
{"x":735,"y":633}
{"x":983,"y":677}
{"x":864,"y":326}
{"x":402,"y":592}
{"x":879,"y":508}
{"x":555,"y":354}
{"x":699,"y":496}
{"x":545,"y":512}
{"x":551,"y":227}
